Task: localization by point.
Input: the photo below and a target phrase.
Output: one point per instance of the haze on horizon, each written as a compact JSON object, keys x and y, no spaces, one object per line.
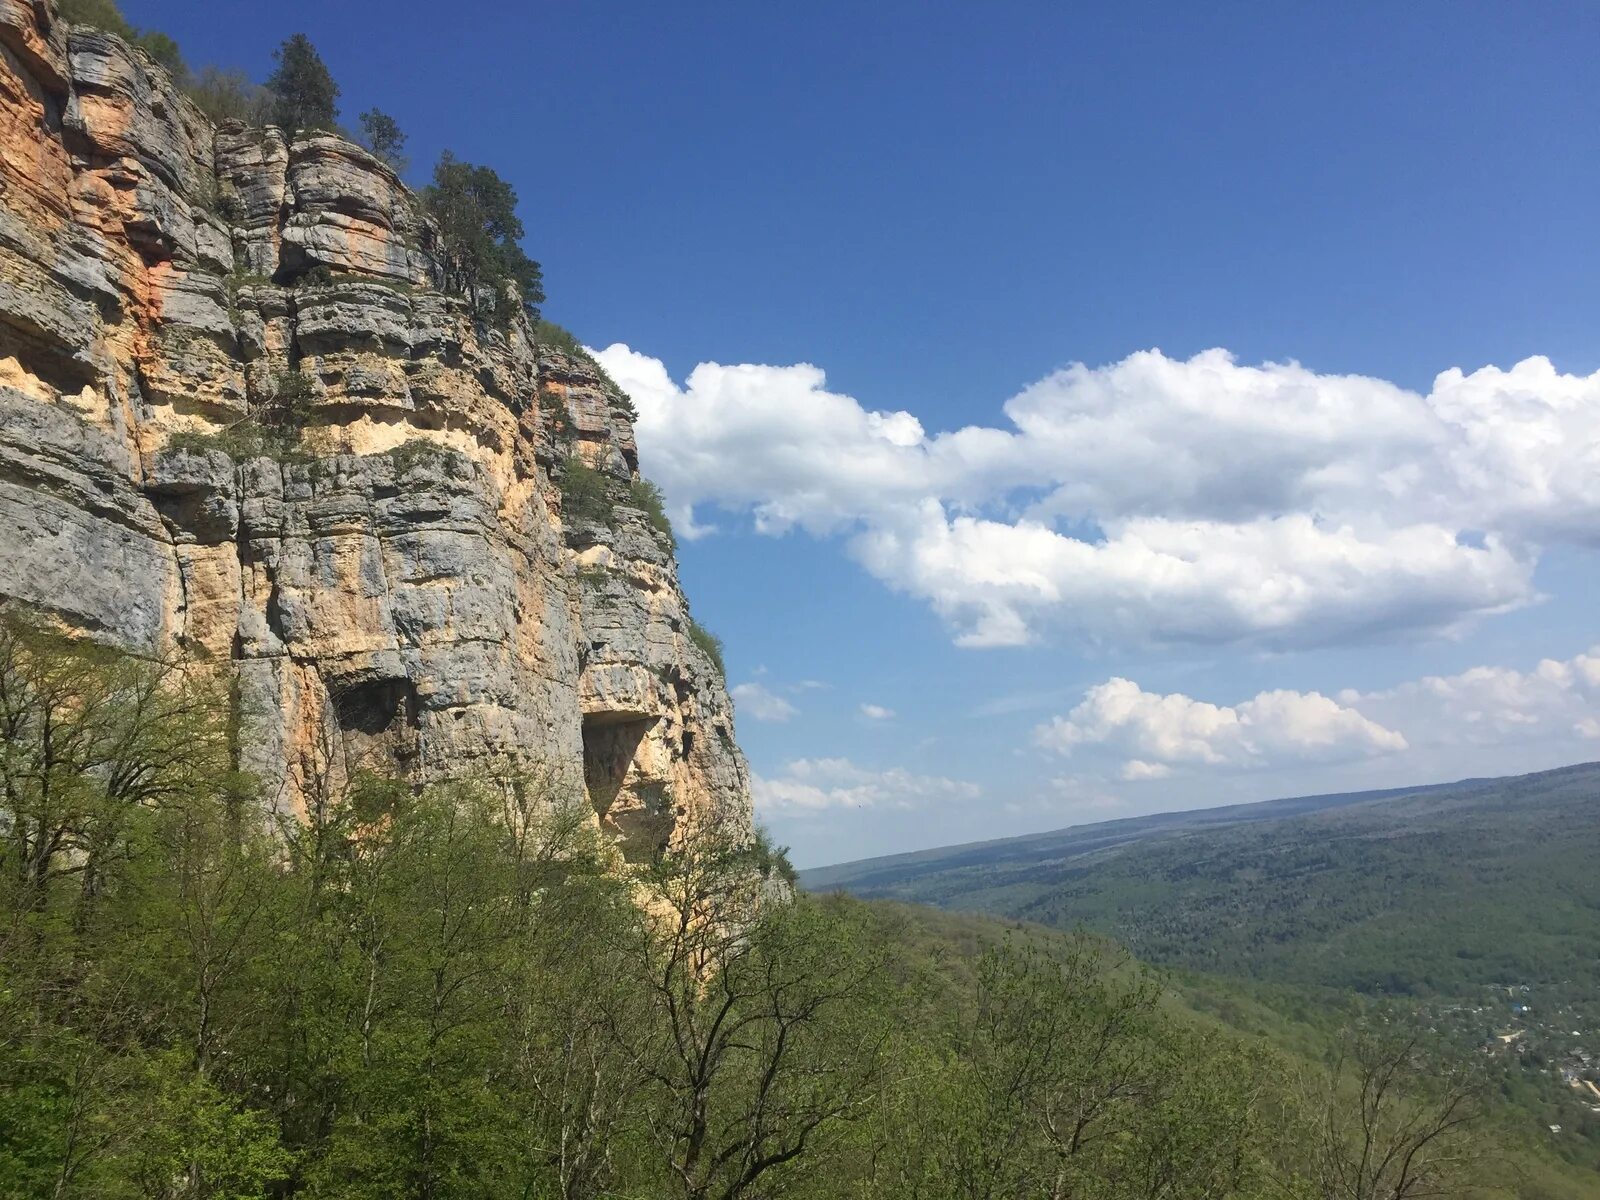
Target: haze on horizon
{"x":1188,"y":407}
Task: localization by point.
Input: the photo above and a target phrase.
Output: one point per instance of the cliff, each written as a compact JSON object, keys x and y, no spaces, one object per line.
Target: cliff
{"x":239,"y":421}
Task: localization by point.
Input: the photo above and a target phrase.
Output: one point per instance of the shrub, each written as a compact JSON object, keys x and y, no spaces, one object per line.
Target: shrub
{"x":646,"y":497}
{"x":554,"y":407}
{"x":553,"y":336}
{"x":100,"y":14}
{"x":228,"y":95}
{"x":710,"y":645}
{"x":223,"y":204}
{"x":290,"y":403}
{"x":272,"y":430}
{"x":548,"y":333}
{"x":165,"y":51}
{"x":585,"y":493}
{"x":105,"y":15}
{"x":241,"y":442}
{"x":771,"y":859}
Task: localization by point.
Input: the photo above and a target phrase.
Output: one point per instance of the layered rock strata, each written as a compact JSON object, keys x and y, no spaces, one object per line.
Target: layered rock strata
{"x":239,"y":421}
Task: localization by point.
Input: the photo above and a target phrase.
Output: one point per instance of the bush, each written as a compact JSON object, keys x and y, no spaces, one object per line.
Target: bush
{"x":100,"y":14}
{"x":105,"y":15}
{"x":165,"y":51}
{"x":228,"y":95}
{"x":549,"y":334}
{"x":585,"y":493}
{"x":554,"y":407}
{"x":771,"y":859}
{"x":240,"y":442}
{"x":710,"y":645}
{"x":272,"y":430}
{"x":416,"y":451}
{"x":646,"y":497}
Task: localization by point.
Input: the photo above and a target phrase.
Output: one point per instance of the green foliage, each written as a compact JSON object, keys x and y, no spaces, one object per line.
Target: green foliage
{"x":383,"y":136}
{"x":164,"y":50}
{"x":772,"y":860}
{"x":548,"y":333}
{"x":481,"y":255}
{"x":228,"y":95}
{"x":273,"y":429}
{"x":1421,"y":894}
{"x":456,"y":991}
{"x":710,"y":645}
{"x":553,"y":405}
{"x":240,"y":442}
{"x":222,"y":203}
{"x":304,"y":95}
{"x":1420,"y":909}
{"x":107,"y":16}
{"x":585,"y":494}
{"x":646,"y":497}
{"x":100,"y":14}
{"x":419,"y":451}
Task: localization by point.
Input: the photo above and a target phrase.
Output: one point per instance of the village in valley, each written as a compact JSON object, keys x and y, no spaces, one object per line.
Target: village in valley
{"x":1540,"y":1048}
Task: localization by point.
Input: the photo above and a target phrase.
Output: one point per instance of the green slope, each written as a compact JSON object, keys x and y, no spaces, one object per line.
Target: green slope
{"x":1446,"y":908}
{"x":1410,"y":891}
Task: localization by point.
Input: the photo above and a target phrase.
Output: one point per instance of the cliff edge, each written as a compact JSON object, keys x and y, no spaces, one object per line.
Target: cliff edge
{"x":239,"y":421}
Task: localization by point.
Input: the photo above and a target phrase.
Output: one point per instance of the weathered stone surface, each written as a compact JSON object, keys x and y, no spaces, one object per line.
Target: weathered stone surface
{"x":398,"y":586}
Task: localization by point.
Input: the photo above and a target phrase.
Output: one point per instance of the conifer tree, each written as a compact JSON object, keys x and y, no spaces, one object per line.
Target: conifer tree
{"x":383,"y":137}
{"x":304,"y":95}
{"x":476,"y":212}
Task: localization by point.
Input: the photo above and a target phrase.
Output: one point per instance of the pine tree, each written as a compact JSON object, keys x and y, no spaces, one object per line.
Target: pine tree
{"x":384,"y":137}
{"x":303,"y":91}
{"x":476,"y":212}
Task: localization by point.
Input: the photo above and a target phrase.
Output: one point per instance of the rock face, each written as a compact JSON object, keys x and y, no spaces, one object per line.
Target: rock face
{"x":397,"y":583}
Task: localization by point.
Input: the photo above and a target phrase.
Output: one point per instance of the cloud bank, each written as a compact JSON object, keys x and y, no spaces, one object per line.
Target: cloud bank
{"x":759,"y":702}
{"x":1155,"y":499}
{"x":1148,"y":736}
{"x":815,"y":784}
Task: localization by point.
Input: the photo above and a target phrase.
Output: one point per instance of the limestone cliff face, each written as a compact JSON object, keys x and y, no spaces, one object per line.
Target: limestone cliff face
{"x":399,"y":586}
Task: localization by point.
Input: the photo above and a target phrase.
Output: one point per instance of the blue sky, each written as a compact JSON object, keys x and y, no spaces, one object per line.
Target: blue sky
{"x":941,"y":207}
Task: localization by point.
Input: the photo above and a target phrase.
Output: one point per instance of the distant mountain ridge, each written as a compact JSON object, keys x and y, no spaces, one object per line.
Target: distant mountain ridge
{"x":1073,"y":840}
{"x":1428,"y":890}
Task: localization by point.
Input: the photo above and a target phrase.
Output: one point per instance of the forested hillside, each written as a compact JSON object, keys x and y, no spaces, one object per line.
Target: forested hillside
{"x":1468,"y":911}
{"x":463,"y":991}
{"x":1418,"y":891}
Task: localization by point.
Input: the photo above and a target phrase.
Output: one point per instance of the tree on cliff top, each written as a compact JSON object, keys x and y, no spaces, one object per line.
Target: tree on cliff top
{"x":303,"y":91}
{"x":383,"y":137}
{"x":476,"y":212}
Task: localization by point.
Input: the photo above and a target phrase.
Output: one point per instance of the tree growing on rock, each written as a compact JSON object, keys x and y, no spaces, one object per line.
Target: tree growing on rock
{"x":476,"y":212}
{"x":304,"y":95}
{"x":383,"y":137}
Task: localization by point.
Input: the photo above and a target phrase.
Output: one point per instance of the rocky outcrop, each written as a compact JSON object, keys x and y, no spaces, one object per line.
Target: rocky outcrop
{"x":395,"y":583}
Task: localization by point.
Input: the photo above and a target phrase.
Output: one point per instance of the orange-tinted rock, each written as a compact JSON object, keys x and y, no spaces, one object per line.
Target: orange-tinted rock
{"x":395,"y":588}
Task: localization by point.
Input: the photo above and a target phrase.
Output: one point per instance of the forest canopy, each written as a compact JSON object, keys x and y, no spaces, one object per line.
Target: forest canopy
{"x":460,"y":991}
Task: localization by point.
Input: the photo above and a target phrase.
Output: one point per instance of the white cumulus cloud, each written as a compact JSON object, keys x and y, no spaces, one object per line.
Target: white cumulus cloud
{"x":1151,"y":735}
{"x":755,"y":700}
{"x":876,"y":712}
{"x":815,"y":784}
{"x":1155,"y":732}
{"x":1558,"y":698}
{"x":1156,"y":499}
